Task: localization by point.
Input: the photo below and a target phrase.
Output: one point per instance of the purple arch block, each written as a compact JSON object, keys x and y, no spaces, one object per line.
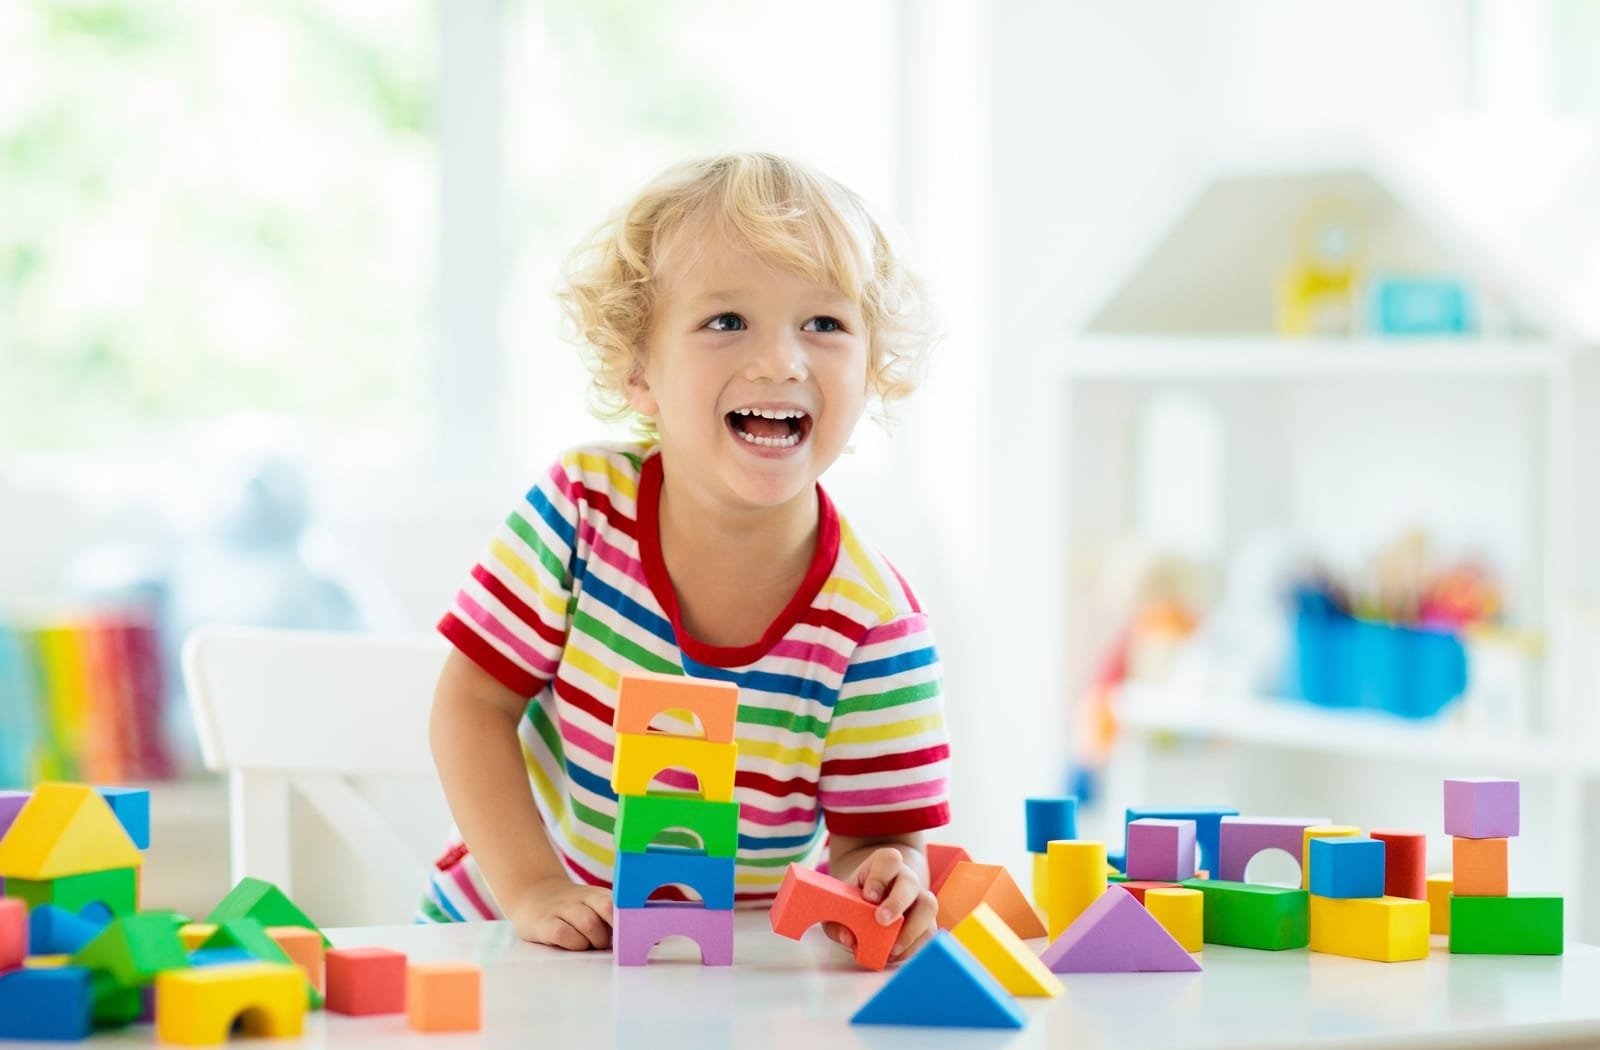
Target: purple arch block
{"x":634,"y":931}
{"x":1244,"y":837}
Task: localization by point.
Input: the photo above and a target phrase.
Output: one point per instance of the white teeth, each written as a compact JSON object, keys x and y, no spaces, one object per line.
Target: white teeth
{"x":783,"y":442}
{"x":770,"y":413}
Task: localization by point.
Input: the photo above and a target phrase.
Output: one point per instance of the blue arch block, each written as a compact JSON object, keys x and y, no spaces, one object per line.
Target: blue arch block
{"x":640,"y":874}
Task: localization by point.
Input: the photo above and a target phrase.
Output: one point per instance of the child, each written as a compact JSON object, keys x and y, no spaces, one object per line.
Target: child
{"x":746,"y":310}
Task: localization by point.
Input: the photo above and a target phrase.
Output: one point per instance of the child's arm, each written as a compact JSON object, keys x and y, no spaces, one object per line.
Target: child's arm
{"x":891,"y":869}
{"x":473,"y":730}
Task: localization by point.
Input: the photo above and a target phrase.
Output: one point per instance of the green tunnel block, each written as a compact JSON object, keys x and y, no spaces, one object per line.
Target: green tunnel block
{"x":117,"y":889}
{"x":1247,"y":915}
{"x":1520,"y":925}
{"x":641,"y":818}
{"x":262,"y":901}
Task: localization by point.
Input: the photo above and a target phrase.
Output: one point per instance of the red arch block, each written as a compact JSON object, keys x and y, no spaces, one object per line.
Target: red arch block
{"x":808,"y":897}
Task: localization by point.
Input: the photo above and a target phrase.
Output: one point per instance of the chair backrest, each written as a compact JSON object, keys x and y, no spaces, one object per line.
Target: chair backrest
{"x":324,"y":740}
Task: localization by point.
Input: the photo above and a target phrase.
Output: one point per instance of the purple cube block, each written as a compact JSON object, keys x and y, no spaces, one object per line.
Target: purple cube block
{"x":1482,"y":808}
{"x":1160,"y":850}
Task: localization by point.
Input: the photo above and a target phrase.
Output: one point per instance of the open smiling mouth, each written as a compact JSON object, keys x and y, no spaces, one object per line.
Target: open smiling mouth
{"x":770,"y":427}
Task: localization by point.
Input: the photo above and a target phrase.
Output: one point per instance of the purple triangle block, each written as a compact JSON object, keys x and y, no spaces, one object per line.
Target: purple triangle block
{"x":1116,"y":934}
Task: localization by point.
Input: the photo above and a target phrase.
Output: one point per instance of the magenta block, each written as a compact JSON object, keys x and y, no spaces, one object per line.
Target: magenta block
{"x":1160,"y":850}
{"x":1244,"y":837}
{"x":1482,"y":808}
{"x":634,"y":931}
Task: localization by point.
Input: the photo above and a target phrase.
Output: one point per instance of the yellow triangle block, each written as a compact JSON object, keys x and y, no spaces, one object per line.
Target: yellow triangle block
{"x":1002,"y":953}
{"x":65,"y":829}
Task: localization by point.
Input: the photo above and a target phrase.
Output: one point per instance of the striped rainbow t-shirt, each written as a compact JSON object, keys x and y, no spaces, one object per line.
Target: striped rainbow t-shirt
{"x":841,"y":724}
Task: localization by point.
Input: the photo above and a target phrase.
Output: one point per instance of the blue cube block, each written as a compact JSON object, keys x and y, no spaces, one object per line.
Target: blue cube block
{"x":1050,"y":819}
{"x":46,"y":1004}
{"x":640,"y":874}
{"x":1347,"y":867}
{"x":132,"y":807}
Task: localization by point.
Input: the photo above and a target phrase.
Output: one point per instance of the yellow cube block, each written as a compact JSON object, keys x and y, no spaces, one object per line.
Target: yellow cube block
{"x":197,"y":1007}
{"x":1181,"y":912}
{"x":1383,"y":929}
{"x":1439,"y":889}
{"x":640,"y":756}
{"x":994,"y":944}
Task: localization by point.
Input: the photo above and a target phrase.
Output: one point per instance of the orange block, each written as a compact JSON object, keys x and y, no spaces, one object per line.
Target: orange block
{"x":969,"y":885}
{"x":808,"y":897}
{"x":1479,"y":868}
{"x":304,"y":948}
{"x":942,"y":859}
{"x":444,"y":997}
{"x":641,"y":695}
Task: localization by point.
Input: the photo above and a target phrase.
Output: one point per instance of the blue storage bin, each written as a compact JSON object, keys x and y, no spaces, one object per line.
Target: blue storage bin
{"x":1341,"y":661}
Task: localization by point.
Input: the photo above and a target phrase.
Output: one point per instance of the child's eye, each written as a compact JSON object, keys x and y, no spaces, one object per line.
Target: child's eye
{"x":726,"y":323}
{"x":823,"y":324}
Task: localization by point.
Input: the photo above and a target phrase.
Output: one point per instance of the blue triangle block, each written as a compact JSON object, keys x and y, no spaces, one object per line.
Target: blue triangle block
{"x":942,"y":986}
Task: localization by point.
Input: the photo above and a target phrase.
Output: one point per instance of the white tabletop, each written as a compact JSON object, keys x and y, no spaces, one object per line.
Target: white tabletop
{"x":784,"y":994}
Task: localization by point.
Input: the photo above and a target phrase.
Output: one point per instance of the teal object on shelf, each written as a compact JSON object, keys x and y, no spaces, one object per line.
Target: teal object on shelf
{"x":1403,"y":305}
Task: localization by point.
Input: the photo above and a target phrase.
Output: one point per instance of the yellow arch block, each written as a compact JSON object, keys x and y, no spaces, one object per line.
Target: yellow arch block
{"x":1383,"y":929}
{"x":1019,"y":971}
{"x":197,"y":1007}
{"x":640,"y":756}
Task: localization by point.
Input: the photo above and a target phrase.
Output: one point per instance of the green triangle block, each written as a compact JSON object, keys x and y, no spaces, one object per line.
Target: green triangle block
{"x":262,"y":901}
{"x":124,"y":957}
{"x":248,"y":934}
{"x":942,"y":986}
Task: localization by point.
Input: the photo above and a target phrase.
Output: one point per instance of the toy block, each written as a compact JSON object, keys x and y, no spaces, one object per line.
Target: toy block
{"x":198,"y":1007}
{"x":1207,"y":827}
{"x":1181,"y":912}
{"x":639,"y":757}
{"x":1405,"y":863}
{"x":1480,"y":867}
{"x":1382,"y":929}
{"x":642,"y":695}
{"x":116,"y":891}
{"x":262,"y":901}
{"x":365,"y":981}
{"x":128,"y":955}
{"x":637,"y":875}
{"x":1439,"y":887}
{"x":640,"y":818}
{"x":1482,"y":808}
{"x":52,"y":1004}
{"x":220,"y":956}
{"x":305,"y":949}
{"x":1139,"y":887}
{"x":11,"y":803}
{"x":634,"y":931}
{"x":1077,"y":879}
{"x":970,"y":885}
{"x":1160,"y":850}
{"x":65,"y":829}
{"x":1245,"y":915}
{"x":942,"y":859}
{"x":808,"y":897}
{"x":132,"y":809}
{"x":1050,"y":819}
{"x":1041,"y":880}
{"x":16,"y":933}
{"x":1320,"y":831}
{"x":444,"y":997}
{"x":56,"y":931}
{"x":1520,"y":925}
{"x":1346,"y":868}
{"x":993,"y":943}
{"x":1241,"y":838}
{"x":194,"y":934}
{"x":1116,"y":935}
{"x":46,"y":962}
{"x":942,"y":986}
{"x":249,"y":935}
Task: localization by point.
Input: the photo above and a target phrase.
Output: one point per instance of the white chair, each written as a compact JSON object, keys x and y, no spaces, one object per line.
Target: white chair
{"x":324,"y":739}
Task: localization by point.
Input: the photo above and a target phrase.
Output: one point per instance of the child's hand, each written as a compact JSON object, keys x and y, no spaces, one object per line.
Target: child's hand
{"x":887,"y":880}
{"x":560,"y":912}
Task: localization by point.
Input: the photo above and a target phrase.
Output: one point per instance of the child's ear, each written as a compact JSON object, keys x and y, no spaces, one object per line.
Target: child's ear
{"x":637,"y":389}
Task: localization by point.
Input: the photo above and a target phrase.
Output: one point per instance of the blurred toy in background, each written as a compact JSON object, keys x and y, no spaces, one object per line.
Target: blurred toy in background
{"x":1416,"y":304}
{"x":1317,"y":295}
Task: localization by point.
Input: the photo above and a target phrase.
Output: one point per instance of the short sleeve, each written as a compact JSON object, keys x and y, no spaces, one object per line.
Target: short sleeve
{"x":885,"y":764}
{"x":510,"y":616}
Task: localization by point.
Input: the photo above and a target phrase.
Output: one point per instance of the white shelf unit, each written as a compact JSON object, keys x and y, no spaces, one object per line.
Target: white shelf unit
{"x":1496,"y":436}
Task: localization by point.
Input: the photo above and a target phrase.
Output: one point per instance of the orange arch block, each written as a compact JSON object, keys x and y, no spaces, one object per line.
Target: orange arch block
{"x":641,"y":695}
{"x":969,"y":885}
{"x":808,"y":897}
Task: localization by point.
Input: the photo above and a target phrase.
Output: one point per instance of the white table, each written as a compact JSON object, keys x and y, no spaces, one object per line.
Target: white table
{"x":784,"y":994}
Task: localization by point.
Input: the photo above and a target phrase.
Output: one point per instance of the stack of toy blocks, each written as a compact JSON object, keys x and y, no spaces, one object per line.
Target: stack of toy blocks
{"x":711,"y":817}
{"x":1350,"y":912}
{"x":1482,"y":815}
{"x":1048,"y":820}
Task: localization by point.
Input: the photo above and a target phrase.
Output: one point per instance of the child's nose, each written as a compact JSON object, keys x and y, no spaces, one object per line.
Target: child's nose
{"x":777,"y":357}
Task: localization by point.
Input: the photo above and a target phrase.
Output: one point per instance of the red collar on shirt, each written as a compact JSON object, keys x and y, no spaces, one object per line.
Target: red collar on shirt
{"x":655,"y":572}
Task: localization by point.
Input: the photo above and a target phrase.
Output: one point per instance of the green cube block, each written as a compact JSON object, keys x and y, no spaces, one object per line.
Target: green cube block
{"x":1520,"y":925}
{"x":117,"y":890}
{"x":1246,"y":915}
{"x":641,"y":818}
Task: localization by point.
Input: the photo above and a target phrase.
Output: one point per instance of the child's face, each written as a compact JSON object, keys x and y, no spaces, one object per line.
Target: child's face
{"x":754,"y":375}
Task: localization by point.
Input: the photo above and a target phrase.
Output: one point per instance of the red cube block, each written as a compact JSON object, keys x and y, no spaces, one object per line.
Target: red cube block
{"x":365,"y":981}
{"x":13,"y":933}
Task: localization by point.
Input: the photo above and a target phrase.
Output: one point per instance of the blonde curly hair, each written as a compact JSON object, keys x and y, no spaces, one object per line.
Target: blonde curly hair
{"x":782,"y":211}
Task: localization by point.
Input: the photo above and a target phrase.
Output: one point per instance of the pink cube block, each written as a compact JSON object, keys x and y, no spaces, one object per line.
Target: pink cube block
{"x":1160,"y":850}
{"x":13,"y":933}
{"x":1482,"y":808}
